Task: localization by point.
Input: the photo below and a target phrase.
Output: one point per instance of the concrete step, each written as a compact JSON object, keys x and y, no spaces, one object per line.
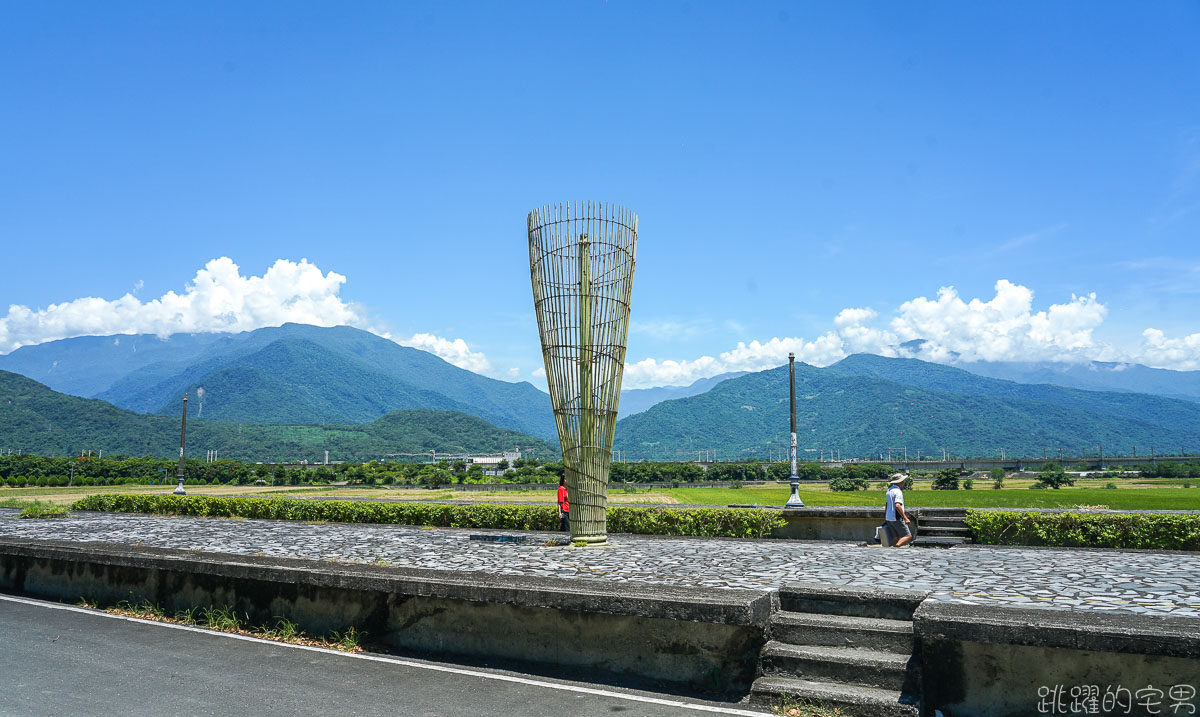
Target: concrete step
{"x":847,"y":665}
{"x":940,"y":532}
{"x":851,"y":700}
{"x":940,"y":522}
{"x":872,"y":633}
{"x":851,"y":600}
{"x":939,"y":542}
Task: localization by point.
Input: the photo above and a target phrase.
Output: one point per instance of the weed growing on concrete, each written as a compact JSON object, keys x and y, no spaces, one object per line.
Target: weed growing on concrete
{"x":348,"y":640}
{"x":793,"y":706}
{"x":144,"y":609}
{"x":224,"y":619}
{"x":284,"y":630}
{"x":187,"y":616}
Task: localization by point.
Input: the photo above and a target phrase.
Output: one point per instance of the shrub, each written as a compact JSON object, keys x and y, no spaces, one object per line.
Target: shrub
{"x":946,"y":480}
{"x":1088,"y":530}
{"x":968,"y":484}
{"x":848,"y":483}
{"x":1110,"y":486}
{"x":38,"y":509}
{"x":703,"y":522}
{"x":1053,"y":476}
{"x":997,"y":478}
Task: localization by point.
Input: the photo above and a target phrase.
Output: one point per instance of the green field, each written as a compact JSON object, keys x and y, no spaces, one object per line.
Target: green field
{"x":1165,"y":498}
{"x":1138,"y":494}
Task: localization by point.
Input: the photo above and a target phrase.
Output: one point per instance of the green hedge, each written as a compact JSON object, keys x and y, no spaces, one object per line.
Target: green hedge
{"x":1085,"y":530}
{"x":705,"y":522}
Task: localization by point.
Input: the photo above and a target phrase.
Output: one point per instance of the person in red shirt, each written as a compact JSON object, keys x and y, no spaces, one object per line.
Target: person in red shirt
{"x":564,"y":507}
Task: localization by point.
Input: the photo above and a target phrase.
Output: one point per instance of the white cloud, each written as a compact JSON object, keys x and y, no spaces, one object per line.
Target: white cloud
{"x":514,"y":372}
{"x":945,"y":329}
{"x":1159,"y":351}
{"x":1004,"y":328}
{"x":454,"y":351}
{"x":219,"y":298}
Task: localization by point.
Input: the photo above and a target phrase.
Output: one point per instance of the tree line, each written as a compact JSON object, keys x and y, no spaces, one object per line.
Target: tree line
{"x":32,"y":470}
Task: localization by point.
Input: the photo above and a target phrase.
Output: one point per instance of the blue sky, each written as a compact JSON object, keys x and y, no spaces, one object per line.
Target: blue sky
{"x":788,"y":162}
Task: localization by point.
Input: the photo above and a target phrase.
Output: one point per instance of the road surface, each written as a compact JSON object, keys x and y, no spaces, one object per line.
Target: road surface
{"x":61,"y":660}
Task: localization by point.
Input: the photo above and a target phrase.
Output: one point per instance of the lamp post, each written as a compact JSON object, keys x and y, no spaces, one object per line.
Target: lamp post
{"x":794,"y":500}
{"x":182,"y":430}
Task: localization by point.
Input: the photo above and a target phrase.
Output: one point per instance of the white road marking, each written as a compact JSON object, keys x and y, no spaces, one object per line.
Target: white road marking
{"x":396,"y":661}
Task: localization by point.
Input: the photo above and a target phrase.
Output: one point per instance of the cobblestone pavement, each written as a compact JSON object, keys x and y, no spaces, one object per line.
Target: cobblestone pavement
{"x":1099,"y":580}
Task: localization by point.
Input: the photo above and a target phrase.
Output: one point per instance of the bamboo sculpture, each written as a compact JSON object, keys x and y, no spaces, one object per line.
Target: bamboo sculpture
{"x":581,"y":260}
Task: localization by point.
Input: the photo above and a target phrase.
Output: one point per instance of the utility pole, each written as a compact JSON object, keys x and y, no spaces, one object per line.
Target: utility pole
{"x":793,"y":501}
{"x":182,"y":432}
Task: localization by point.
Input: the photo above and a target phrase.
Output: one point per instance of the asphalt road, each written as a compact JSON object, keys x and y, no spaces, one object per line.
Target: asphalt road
{"x":59,"y":660}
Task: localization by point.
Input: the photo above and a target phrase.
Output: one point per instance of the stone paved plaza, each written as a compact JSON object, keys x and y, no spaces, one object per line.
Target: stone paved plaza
{"x":1051,"y":578}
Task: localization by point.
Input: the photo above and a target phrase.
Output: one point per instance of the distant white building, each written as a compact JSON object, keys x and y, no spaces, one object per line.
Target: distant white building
{"x":490,"y":461}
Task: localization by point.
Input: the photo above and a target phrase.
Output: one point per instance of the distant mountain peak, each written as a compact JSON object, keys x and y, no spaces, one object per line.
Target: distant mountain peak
{"x":293,"y":373}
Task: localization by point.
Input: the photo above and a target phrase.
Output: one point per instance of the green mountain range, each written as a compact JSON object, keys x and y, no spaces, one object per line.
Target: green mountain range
{"x":292,"y":374}
{"x":636,"y":400}
{"x":865,"y":405}
{"x":1096,"y":376}
{"x":36,"y":419}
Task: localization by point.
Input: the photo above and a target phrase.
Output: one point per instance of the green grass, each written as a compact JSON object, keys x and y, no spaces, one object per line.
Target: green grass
{"x":1121,"y":499}
{"x":35,"y":508}
{"x":37,"y":511}
{"x":1131,"y":494}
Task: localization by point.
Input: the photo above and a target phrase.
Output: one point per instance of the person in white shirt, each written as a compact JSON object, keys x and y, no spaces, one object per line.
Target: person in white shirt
{"x":897,"y":520}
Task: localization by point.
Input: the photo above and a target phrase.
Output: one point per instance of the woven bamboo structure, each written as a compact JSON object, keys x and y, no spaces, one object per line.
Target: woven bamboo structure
{"x":581,"y":258}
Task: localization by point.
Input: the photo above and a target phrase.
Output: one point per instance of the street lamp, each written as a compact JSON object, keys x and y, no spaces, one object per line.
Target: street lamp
{"x":182,"y":430}
{"x":794,"y":500}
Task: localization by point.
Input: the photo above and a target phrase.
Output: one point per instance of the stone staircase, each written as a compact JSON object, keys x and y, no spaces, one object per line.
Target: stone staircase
{"x":846,"y":647}
{"x":941,"y":528}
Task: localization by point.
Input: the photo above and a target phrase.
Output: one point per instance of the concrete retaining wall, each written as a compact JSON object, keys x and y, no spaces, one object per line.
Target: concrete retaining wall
{"x":985,"y":661}
{"x":689,"y":638}
{"x":854,"y":523}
